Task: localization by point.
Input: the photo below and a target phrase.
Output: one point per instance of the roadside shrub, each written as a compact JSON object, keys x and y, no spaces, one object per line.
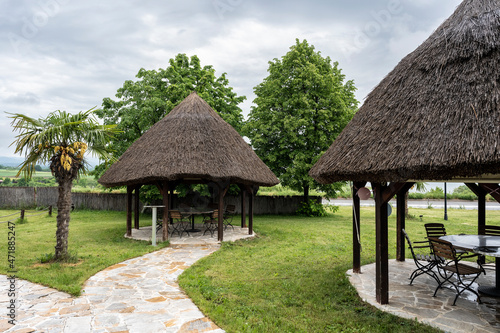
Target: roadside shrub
{"x":311,"y":209}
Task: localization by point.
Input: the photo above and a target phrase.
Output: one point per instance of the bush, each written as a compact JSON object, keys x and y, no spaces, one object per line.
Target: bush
{"x":311,"y":209}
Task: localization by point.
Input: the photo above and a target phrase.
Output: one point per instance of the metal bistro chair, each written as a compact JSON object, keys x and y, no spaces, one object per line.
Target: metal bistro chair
{"x":451,"y":266}
{"x":490,"y":230}
{"x":211,"y":222}
{"x":178,"y":223}
{"x":228,"y":216}
{"x":425,"y":262}
{"x":435,"y":230}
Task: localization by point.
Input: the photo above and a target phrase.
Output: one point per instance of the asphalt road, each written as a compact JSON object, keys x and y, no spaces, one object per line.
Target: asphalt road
{"x":459,"y":204}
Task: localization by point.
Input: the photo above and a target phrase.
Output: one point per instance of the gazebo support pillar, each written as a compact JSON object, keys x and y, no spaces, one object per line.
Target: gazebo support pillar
{"x":136,"y":206}
{"x":243,"y":208}
{"x":356,"y":232}
{"x":401,"y":221}
{"x":129,"y":211}
{"x":481,"y":205}
{"x":166,"y":203}
{"x":381,"y":250}
{"x":382,"y":194}
{"x":250,"y":211}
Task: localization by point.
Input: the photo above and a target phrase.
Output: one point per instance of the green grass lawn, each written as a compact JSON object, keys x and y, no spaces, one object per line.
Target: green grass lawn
{"x":96,"y":236}
{"x":291,"y":278}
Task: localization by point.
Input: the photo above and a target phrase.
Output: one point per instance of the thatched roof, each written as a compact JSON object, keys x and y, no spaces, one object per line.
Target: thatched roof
{"x":191,"y":142}
{"x":436,"y":115}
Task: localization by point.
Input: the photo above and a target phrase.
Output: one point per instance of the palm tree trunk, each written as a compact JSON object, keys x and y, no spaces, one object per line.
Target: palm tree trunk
{"x":63,"y":216}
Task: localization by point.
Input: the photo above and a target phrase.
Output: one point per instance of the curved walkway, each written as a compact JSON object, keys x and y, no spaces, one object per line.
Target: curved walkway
{"x":137,"y":295}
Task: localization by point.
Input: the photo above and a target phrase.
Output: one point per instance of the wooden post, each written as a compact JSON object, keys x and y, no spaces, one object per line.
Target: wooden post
{"x":400,"y":225}
{"x":243,"y":208}
{"x":220,"y":207}
{"x":356,"y":232}
{"x":250,"y":212}
{"x":136,"y":206}
{"x":381,"y":251}
{"x":166,"y":203}
{"x":50,"y":210}
{"x":22,"y":214}
{"x":481,"y":212}
{"x":129,"y":211}
{"x":481,"y":205}
{"x":401,"y":222}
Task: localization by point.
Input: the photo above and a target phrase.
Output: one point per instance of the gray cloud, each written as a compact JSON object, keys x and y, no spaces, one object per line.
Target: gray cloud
{"x":27,"y":98}
{"x":69,"y":54}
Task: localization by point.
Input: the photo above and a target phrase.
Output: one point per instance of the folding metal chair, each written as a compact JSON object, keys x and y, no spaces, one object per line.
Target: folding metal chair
{"x":228,"y":216}
{"x":450,"y":266}
{"x":425,"y":262}
{"x":178,"y":223}
{"x":211,"y":222}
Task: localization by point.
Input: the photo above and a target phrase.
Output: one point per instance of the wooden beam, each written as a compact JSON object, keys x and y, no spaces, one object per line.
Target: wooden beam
{"x":356,"y":224}
{"x":166,"y":202}
{"x":243,"y":208}
{"x":220,"y":224}
{"x":129,"y":211}
{"x":492,"y":189}
{"x":250,"y":212}
{"x":481,"y":205}
{"x":136,"y":206}
{"x":381,"y":250}
{"x":390,"y":191}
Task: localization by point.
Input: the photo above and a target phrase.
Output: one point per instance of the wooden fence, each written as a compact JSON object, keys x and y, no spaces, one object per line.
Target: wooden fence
{"x":25,"y":197}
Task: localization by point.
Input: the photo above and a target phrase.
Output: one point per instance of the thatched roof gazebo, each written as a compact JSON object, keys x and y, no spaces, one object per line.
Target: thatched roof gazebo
{"x":435,"y":117}
{"x":193,"y":145}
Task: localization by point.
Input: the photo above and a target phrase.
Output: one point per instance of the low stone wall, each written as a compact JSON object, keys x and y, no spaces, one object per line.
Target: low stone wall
{"x":23,"y":197}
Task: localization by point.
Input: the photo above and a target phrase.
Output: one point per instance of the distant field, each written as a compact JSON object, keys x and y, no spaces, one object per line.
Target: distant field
{"x":12,"y":173}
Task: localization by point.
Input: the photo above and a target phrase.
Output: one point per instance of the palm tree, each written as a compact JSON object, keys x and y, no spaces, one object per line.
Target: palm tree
{"x":61,"y":139}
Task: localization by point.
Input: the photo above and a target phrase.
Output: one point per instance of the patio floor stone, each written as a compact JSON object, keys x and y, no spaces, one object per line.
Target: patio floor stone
{"x":416,"y":301}
{"x":137,"y":295}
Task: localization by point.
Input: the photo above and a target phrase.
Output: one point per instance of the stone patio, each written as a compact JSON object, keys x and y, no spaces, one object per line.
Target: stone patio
{"x":416,"y":301}
{"x":194,"y":238}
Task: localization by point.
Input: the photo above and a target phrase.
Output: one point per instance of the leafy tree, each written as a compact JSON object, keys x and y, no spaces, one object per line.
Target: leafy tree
{"x":144,"y":102}
{"x":300,"y":109}
{"x":38,"y":168}
{"x":61,"y":139}
{"x":6,"y":181}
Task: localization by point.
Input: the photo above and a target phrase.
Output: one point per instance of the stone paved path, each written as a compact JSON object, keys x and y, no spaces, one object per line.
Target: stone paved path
{"x":137,"y":295}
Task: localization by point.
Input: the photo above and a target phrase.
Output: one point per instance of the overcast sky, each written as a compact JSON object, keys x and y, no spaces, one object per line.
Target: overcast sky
{"x":69,"y":55}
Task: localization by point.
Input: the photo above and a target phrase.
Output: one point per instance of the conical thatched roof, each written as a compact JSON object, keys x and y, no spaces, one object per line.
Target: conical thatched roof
{"x":436,"y":116}
{"x":192,"y":142}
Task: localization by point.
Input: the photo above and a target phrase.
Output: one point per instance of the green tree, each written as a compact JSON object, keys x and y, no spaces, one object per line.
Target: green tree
{"x":300,"y":109}
{"x":6,"y":181}
{"x":38,"y":168}
{"x":142,"y":103}
{"x":61,"y":139}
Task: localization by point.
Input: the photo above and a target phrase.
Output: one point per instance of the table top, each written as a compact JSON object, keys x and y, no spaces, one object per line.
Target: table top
{"x":482,"y":244}
{"x":194,"y":211}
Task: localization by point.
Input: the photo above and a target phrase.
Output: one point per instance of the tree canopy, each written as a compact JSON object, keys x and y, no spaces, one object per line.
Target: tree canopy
{"x":301,"y":107}
{"x":142,"y":103}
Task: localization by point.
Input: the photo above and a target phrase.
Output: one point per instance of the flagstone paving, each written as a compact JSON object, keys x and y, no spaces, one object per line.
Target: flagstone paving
{"x":137,"y":295}
{"x":416,"y":301}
